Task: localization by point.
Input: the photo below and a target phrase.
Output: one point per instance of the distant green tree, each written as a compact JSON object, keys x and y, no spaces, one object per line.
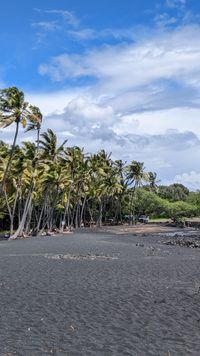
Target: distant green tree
{"x":180,"y":209}
{"x":173,"y":192}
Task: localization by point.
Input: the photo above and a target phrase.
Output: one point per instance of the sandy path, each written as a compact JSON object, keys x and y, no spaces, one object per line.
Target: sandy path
{"x":136,"y":229}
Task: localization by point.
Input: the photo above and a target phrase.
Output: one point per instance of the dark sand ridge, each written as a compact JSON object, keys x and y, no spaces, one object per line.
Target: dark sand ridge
{"x":144,"y":300}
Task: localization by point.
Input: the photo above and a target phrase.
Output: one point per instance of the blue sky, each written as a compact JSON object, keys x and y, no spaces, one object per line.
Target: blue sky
{"x":123,"y":75}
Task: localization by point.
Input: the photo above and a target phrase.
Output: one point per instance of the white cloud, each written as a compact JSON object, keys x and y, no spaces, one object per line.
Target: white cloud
{"x":54,"y":102}
{"x":84,"y":34}
{"x":190,"y":179}
{"x":63,"y":65}
{"x":47,"y":26}
{"x":81,"y":116}
{"x":144,"y":104}
{"x":175,"y":3}
{"x":158,"y":122}
{"x":164,"y":19}
{"x":167,"y":56}
{"x":118,"y":34}
{"x":68,"y":16}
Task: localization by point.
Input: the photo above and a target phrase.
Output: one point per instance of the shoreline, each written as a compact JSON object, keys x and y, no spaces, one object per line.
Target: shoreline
{"x":139,"y":229}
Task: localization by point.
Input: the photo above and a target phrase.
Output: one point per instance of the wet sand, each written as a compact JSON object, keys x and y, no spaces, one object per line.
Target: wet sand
{"x":99,"y":294}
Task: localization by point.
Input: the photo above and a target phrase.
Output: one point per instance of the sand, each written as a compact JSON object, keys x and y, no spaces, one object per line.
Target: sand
{"x":99,"y":294}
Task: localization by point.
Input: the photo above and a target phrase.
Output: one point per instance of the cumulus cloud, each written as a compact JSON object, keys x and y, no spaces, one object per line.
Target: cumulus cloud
{"x":93,"y":125}
{"x":82,"y":116}
{"x":190,"y":179}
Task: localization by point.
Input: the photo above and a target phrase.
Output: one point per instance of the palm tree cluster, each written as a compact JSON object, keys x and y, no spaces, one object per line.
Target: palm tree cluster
{"x":45,"y":185}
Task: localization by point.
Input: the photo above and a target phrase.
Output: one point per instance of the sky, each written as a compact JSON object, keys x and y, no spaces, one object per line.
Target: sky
{"x":112,"y":74}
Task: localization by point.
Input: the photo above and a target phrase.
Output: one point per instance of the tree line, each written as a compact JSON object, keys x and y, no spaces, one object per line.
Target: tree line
{"x":47,"y":185}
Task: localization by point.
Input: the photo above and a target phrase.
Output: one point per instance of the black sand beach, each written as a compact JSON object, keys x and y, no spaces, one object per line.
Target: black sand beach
{"x":99,"y":294}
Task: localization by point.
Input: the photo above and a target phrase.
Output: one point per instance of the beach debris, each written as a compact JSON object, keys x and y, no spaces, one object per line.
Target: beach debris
{"x":153,"y":251}
{"x":139,"y":244}
{"x":88,"y":256}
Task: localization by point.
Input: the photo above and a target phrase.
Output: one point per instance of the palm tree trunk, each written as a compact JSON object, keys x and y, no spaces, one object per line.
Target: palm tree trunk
{"x":38,"y":139}
{"x":27,"y":206}
{"x":9,"y":211}
{"x":132,"y":197}
{"x":28,"y":221}
{"x":10,"y":156}
{"x":82,"y":210}
{"x":100,"y":214}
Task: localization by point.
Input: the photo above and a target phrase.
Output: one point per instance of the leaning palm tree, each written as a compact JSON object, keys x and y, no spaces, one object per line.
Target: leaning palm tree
{"x":35,"y":121}
{"x":48,"y":145}
{"x":153,"y":181}
{"x":13,"y":109}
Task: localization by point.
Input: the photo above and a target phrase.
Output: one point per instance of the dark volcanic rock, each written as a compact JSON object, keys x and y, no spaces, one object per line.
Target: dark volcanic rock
{"x":183,"y":242}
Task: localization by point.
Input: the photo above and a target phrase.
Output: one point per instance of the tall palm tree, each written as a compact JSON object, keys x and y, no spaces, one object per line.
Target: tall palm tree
{"x":119,"y":167}
{"x":135,"y":175}
{"x":13,"y":109}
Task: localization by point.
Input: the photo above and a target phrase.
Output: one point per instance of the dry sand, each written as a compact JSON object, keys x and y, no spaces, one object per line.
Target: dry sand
{"x":100,"y":295}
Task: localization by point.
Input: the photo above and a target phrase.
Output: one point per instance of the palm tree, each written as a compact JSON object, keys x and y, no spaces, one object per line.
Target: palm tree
{"x":48,"y":145}
{"x":135,"y":175}
{"x":119,"y":167}
{"x":153,"y":181}
{"x":28,"y":178}
{"x":35,"y":121}
{"x":13,"y":109}
{"x":51,"y":156}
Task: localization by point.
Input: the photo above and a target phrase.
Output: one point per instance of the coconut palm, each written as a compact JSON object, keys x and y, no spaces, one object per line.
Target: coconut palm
{"x":13,"y":109}
{"x":135,"y":176}
{"x":136,"y":173}
{"x":35,"y":121}
{"x":119,"y":167}
{"x":153,"y":181}
{"x":50,"y":151}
